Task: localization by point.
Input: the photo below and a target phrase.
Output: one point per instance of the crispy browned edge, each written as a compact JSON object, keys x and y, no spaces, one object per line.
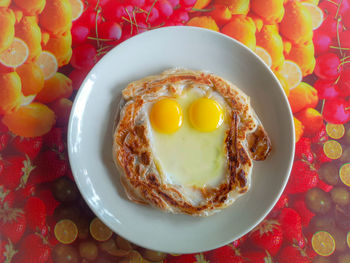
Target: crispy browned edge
{"x":141,"y":178}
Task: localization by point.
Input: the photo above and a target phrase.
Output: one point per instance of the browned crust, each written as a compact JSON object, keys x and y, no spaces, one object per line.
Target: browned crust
{"x":140,"y":177}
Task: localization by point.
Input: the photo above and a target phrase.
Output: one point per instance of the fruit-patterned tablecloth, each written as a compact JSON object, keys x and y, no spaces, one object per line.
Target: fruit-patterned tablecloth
{"x":48,"y":46}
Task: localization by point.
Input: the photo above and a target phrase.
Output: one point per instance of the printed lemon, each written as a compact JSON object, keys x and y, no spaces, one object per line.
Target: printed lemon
{"x":292,"y":73}
{"x":316,"y":14}
{"x":344,"y":174}
{"x":335,"y":131}
{"x":48,"y":63}
{"x":99,"y":230}
{"x":323,"y":243}
{"x":77,"y":8}
{"x":264,"y":55}
{"x":66,"y":231}
{"x":283,"y":82}
{"x":15,"y":55}
{"x":332,"y":149}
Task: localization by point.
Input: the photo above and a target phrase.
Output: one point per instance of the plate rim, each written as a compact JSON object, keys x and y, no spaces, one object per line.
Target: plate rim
{"x":141,"y":35}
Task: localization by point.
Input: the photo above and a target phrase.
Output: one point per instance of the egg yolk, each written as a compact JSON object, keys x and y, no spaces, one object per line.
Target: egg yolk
{"x":166,"y":116}
{"x":206,"y":115}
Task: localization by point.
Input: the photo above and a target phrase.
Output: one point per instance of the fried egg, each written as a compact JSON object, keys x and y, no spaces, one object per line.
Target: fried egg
{"x":185,"y":142}
{"x":187,"y":136}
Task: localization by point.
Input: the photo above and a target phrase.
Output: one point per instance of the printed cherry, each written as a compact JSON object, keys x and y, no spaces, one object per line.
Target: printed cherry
{"x":80,"y":33}
{"x":328,"y":66}
{"x":322,"y":41}
{"x":84,"y":56}
{"x":331,"y":7}
{"x":344,"y":83}
{"x":329,"y":26}
{"x":326,"y":89}
{"x":336,"y":111}
{"x":110,"y":30}
{"x":165,"y":8}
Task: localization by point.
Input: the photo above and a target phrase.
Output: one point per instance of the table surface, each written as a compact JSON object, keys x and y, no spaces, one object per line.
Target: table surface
{"x":48,"y":47}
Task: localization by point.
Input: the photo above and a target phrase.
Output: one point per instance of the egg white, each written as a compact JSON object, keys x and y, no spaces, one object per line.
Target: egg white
{"x":188,"y":157}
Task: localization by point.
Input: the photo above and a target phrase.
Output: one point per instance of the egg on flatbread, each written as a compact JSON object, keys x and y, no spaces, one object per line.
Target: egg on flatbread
{"x":185,"y":142}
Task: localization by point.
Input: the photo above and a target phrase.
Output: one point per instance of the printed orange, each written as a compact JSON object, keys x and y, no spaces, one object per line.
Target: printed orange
{"x":271,"y":11}
{"x":10,"y":92}
{"x":31,"y":7}
{"x":31,"y":120}
{"x":29,"y":31}
{"x":241,"y":28}
{"x":57,"y":87}
{"x":56,"y":17}
{"x":203,"y":21}
{"x":32,"y":77}
{"x":7,"y":28}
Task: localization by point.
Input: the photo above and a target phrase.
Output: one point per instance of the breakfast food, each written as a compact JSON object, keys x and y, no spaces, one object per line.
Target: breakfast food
{"x":185,"y":140}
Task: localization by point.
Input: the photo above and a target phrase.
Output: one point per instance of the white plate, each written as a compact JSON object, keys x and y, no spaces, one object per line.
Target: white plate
{"x":90,"y":138}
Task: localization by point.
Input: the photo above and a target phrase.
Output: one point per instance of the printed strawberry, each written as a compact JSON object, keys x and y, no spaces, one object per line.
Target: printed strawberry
{"x":50,"y":202}
{"x":36,"y":213}
{"x":12,"y":223}
{"x":238,"y":242}
{"x":6,"y":197}
{"x":4,"y":136}
{"x":4,"y":140}
{"x":224,"y":254}
{"x":7,"y":251}
{"x":291,"y":226}
{"x":324,"y":186}
{"x":321,"y":137}
{"x":24,"y":193}
{"x":53,"y":139}
{"x":2,"y":166}
{"x":282,"y":202}
{"x":16,"y":172}
{"x":187,"y":258}
{"x":51,"y":222}
{"x":33,"y":249}
{"x":302,"y":178}
{"x":305,"y":214}
{"x":28,"y":146}
{"x":321,"y":156}
{"x":257,"y":257}
{"x":50,"y":166}
{"x":293,"y":254}
{"x":268,"y":236}
{"x":303,"y":150}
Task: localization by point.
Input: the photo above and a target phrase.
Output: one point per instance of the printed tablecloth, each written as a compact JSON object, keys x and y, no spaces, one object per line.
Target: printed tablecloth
{"x":48,"y":46}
